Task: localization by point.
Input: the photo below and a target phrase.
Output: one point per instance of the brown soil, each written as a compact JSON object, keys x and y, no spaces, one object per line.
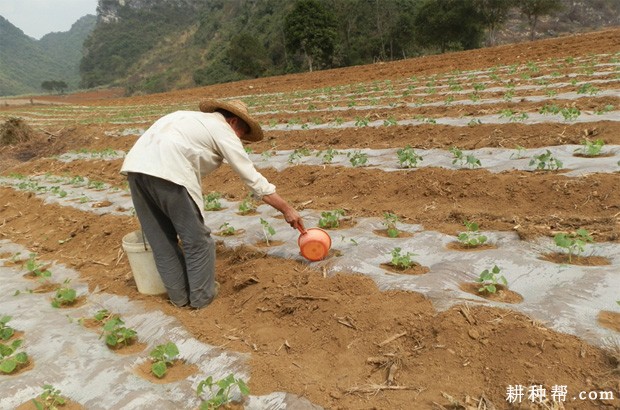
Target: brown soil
{"x":127,"y":349}
{"x":179,"y":370}
{"x":270,"y":244}
{"x":564,"y":258}
{"x":79,"y":301}
{"x":502,"y":293}
{"x":313,"y":335}
{"x":414,"y":269}
{"x":610,"y":320}
{"x":222,"y":233}
{"x":459,"y":246}
{"x":69,"y":405}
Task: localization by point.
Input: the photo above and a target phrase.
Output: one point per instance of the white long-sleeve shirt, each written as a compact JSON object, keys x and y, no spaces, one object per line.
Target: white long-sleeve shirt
{"x":184,"y":146}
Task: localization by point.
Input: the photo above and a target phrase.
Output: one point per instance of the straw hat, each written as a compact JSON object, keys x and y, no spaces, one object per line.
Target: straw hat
{"x":238,"y":108}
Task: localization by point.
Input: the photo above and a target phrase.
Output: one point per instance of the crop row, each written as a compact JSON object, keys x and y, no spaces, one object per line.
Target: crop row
{"x":17,"y":342}
{"x":529,"y":110}
{"x":576,"y":158}
{"x":438,"y":88}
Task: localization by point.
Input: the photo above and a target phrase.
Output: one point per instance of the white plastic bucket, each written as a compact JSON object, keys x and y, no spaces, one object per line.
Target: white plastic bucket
{"x":142,"y":264}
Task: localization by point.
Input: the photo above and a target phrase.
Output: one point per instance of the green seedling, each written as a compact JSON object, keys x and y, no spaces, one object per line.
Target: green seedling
{"x":83,"y":199}
{"x":17,"y":175}
{"x":56,"y":190}
{"x":116,"y":334}
{"x":328,"y":155}
{"x":508,"y":95}
{"x":10,"y":359}
{"x":6,"y":331}
{"x":591,"y":148}
{"x":408,"y":158}
{"x":390,"y":221}
{"x":96,"y":185}
{"x":163,"y":356}
{"x":102,"y":315}
{"x":293,"y":121}
{"x":401,"y":261}
{"x":571,"y":113}
{"x":37,"y":269}
{"x":16,"y":258}
{"x":546,"y":161}
{"x":267,"y":154}
{"x":227,"y":229}
{"x":50,"y":399}
{"x":455,"y":86}
{"x":587,"y":88}
{"x":471,"y":237}
{"x":424,"y":119}
{"x":605,"y":109}
{"x":220,"y":391}
{"x":331,"y":219}
{"x":65,"y":295}
{"x":549,"y":109}
{"x":297,"y":155}
{"x":212,"y":201}
{"x":390,"y":121}
{"x":514,"y":116}
{"x":268,"y":230}
{"x":519,"y":153}
{"x":551,"y":93}
{"x":247,"y":205}
{"x":489,"y":279}
{"x":361,"y":121}
{"x":574,"y":243}
{"x":464,"y":160}
{"x":357,"y":158}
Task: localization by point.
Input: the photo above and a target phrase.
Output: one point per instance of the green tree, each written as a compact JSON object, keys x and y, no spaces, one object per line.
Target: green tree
{"x":534,"y":9}
{"x":494,"y":13}
{"x":355,"y":31}
{"x":449,"y":24}
{"x":403,"y":33}
{"x":311,"y":30}
{"x":247,"y":55}
{"x":54,"y":85}
{"x":47,"y":86}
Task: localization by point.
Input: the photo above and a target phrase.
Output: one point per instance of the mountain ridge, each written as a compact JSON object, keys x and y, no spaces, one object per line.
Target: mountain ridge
{"x":26,"y":62}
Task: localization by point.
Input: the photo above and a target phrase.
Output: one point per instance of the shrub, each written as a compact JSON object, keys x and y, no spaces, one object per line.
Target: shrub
{"x":14,"y":130}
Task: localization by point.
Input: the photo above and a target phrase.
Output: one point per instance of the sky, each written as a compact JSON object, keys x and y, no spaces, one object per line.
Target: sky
{"x":37,"y":18}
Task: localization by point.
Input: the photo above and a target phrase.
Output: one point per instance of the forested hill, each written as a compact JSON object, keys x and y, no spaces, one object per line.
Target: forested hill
{"x":25,"y":63}
{"x":150,"y":46}
{"x":157,"y":45}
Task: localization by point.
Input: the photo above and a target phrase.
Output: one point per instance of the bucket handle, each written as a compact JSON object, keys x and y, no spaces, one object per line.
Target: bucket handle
{"x":143,"y":240}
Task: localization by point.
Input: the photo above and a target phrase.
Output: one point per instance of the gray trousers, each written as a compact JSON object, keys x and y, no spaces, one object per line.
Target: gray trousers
{"x":167,"y":213}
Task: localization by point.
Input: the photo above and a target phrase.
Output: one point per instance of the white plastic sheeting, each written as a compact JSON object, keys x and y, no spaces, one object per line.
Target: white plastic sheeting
{"x":76,"y":360}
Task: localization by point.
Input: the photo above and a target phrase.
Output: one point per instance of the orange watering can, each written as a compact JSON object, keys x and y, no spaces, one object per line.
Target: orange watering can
{"x":314,"y":243}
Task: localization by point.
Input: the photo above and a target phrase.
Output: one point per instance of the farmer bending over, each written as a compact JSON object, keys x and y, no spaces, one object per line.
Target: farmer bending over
{"x":164,"y":170}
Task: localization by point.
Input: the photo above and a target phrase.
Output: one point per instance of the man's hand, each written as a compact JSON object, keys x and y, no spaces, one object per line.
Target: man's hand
{"x":291,"y":216}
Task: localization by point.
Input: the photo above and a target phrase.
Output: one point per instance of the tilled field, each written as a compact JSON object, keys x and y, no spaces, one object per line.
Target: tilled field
{"x":348,"y":332}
